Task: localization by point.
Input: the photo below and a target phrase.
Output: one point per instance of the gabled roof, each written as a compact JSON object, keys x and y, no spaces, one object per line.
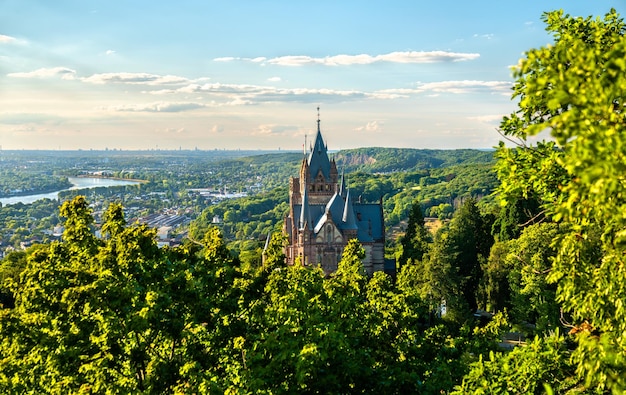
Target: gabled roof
{"x":367,"y":217}
{"x":332,"y":211}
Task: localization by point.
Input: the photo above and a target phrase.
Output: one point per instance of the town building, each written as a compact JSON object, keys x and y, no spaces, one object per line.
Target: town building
{"x":323,"y":216}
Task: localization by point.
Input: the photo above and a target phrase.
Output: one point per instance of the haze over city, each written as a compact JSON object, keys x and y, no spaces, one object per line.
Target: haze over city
{"x":250,"y":74}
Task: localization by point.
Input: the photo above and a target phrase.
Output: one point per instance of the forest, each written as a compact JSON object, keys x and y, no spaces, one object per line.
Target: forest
{"x":520,"y":291}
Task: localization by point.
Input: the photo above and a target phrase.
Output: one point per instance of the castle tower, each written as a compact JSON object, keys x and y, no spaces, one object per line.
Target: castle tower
{"x":323,"y":218}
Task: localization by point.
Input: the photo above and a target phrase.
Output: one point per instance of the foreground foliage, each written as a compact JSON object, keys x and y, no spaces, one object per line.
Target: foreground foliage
{"x":119,"y":315}
{"x":575,"y":90}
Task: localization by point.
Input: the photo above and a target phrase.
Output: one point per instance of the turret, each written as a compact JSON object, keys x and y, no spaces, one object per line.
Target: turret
{"x":305,"y":212}
{"x":348,"y":218}
{"x":342,"y":185}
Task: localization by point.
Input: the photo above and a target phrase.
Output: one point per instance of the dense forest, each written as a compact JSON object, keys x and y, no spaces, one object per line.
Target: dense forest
{"x":521,"y":291}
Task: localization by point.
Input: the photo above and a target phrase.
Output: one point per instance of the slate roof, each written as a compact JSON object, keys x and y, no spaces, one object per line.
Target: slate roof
{"x":318,"y":157}
{"x":366,"y":217}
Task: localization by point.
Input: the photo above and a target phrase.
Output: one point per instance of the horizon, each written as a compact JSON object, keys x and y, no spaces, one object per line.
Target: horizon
{"x":270,"y":151}
{"x":82,"y":75}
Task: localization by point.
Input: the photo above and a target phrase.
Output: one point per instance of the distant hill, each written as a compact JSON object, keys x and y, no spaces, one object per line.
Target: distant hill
{"x":368,"y":160}
{"x":379,"y":160}
{"x":389,"y":160}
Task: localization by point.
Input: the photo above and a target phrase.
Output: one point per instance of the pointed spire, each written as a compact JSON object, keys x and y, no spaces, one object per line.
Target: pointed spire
{"x":267,"y":243}
{"x":319,"y":142}
{"x":305,"y":211}
{"x":342,"y":185}
{"x":318,"y":157}
{"x":318,"y":119}
{"x":349,"y":218}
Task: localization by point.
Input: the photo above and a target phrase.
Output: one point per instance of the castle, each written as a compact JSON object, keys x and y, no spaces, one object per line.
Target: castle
{"x":323,"y":216}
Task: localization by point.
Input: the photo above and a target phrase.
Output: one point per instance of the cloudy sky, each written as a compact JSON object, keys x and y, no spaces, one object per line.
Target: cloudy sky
{"x":89,"y":74}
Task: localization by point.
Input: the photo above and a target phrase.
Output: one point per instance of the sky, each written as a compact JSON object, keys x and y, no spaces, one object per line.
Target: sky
{"x":93,"y":74}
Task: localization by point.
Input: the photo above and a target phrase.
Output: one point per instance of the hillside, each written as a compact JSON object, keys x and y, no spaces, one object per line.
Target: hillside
{"x":388,"y":160}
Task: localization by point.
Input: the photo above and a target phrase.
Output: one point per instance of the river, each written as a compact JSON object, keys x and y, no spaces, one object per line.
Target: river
{"x":78,"y":183}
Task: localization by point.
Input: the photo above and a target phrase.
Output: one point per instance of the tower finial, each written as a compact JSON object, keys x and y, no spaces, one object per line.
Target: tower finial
{"x":318,"y":118}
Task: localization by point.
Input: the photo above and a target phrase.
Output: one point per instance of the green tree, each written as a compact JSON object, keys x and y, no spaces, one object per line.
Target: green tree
{"x":274,"y":253}
{"x":494,"y":284}
{"x":528,"y":261}
{"x":10,"y":269}
{"x":119,"y":315}
{"x":575,"y":90}
{"x":514,"y":216}
{"x":542,"y":365}
{"x":416,"y":240}
{"x":469,"y":243}
{"x":451,"y":276}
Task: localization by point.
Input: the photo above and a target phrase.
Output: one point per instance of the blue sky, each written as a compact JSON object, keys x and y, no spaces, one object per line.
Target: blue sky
{"x":250,"y":74}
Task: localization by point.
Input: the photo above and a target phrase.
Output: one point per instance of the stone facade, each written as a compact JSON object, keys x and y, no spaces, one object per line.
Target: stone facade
{"x":323,"y":216}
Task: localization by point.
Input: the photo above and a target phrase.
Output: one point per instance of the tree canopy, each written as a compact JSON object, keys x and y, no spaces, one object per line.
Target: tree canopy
{"x":117,"y":314}
{"x":575,"y":91}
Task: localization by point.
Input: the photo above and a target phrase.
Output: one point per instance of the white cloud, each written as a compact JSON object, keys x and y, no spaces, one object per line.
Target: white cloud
{"x":274,"y":130}
{"x":428,"y":57}
{"x":156,"y":107}
{"x":265,"y":130}
{"x":488,"y":36}
{"x":174,"y":130}
{"x":362,"y":59}
{"x":246,"y":94}
{"x":110,"y":52}
{"x":434,"y":89}
{"x":274,"y":79}
{"x":217,"y":129}
{"x":106,"y":78}
{"x":456,"y":87}
{"x":259,"y":59}
{"x":63,"y":72}
{"x":372,"y":126}
{"x":135,"y":79}
{"x":464,"y":86}
{"x":7,"y":39}
{"x":393,"y":57}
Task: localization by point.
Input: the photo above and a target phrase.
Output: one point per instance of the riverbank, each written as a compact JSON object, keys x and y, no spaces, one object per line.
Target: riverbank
{"x":75,"y":183}
{"x":110,"y":178}
{"x":50,"y":189}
